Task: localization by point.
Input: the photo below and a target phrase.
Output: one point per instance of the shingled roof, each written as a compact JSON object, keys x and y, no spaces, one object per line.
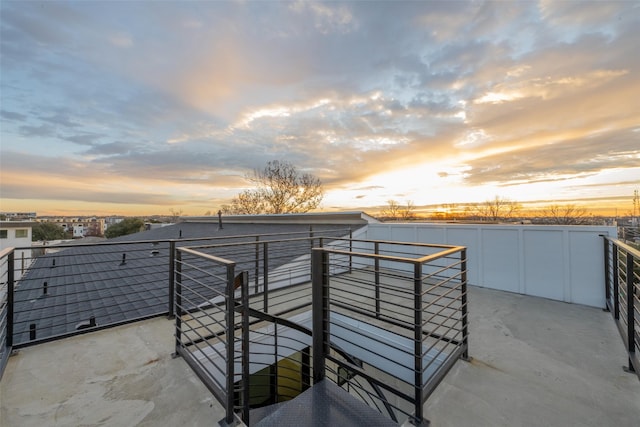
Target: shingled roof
{"x":126,"y":278}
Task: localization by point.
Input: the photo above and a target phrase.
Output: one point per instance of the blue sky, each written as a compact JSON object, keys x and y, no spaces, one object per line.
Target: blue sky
{"x":141,"y":107}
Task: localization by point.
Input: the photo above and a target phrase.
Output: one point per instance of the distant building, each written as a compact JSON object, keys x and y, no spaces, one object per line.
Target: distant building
{"x":79,"y":227}
{"x":15,"y":234}
{"x":18,"y":216}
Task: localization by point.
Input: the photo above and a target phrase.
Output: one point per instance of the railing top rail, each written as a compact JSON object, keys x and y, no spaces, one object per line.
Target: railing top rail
{"x":253,"y":242}
{"x":635,"y":252}
{"x":207,"y":256}
{"x":421,"y":260}
{"x":183,"y":239}
{"x":393,"y":242}
{"x":5,"y":252}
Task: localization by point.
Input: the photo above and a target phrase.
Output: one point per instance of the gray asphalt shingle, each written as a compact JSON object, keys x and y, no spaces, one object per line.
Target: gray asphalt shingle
{"x":93,"y":282}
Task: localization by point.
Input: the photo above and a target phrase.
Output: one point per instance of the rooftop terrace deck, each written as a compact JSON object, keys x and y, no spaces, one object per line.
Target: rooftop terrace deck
{"x":535,"y":362}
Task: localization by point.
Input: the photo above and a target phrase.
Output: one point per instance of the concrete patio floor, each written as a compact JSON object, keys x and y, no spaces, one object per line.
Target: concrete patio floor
{"x":535,"y":362}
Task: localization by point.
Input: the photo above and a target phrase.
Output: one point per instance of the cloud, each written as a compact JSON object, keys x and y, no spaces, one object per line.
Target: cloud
{"x":43,"y":130}
{"x":198,"y":94}
{"x":83,"y":139}
{"x":561,"y":160}
{"x":11,"y":115}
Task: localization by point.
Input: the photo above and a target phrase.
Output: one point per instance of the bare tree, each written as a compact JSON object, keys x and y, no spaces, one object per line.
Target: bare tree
{"x":392,"y":209}
{"x":280,"y":188}
{"x":566,"y":214}
{"x":497,"y":208}
{"x":450,"y":210}
{"x":396,"y":211}
{"x":174,"y":215}
{"x":407,"y":212}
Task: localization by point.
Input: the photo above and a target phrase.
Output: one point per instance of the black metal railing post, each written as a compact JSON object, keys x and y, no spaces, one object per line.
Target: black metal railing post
{"x":616,"y":285}
{"x":607,"y":277}
{"x":464,"y":307}
{"x":417,"y":337}
{"x":320,"y":312}
{"x":631,"y":332}
{"x":257,"y":266}
{"x":265,"y":277}
{"x":350,"y":250}
{"x":177,"y":310}
{"x":172,"y":278}
{"x":10,"y":298}
{"x":311,"y":237}
{"x":229,"y":333}
{"x":376,"y":250}
{"x":244,"y":295}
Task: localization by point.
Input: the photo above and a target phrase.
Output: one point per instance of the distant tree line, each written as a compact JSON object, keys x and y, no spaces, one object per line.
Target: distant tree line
{"x":496,"y":209}
{"x":398,"y":212}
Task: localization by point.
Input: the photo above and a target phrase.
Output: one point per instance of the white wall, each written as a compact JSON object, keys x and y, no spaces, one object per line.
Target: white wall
{"x":563,"y":263}
{"x":22,"y":257}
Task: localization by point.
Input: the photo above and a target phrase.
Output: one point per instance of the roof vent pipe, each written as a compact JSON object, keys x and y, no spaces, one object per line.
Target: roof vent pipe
{"x":180,"y":234}
{"x":87,"y":324}
{"x":220,"y":220}
{"x":44,"y":288}
{"x":124,"y":259}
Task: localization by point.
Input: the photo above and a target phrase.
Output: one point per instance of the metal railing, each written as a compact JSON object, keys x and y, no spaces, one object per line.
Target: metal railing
{"x":629,"y":235}
{"x":276,"y":276}
{"x":6,"y":306}
{"x":73,"y":289}
{"x":206,"y":319}
{"x":275,"y":268}
{"x":249,"y":336}
{"x":622,"y":294}
{"x":400,"y":310}
{"x":59,"y":291}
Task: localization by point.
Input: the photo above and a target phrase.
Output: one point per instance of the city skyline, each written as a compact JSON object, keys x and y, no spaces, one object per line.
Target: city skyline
{"x":136,"y":108}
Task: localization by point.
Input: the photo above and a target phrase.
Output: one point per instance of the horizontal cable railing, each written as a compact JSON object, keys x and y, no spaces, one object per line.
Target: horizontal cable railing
{"x":622,"y":295}
{"x":374,"y":284}
{"x":276,"y":268}
{"x":6,"y":306}
{"x":75,"y":288}
{"x":400,"y":311}
{"x":205,"y":331}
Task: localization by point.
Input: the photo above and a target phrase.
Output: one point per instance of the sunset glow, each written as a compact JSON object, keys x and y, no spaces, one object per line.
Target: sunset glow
{"x":136,"y":108}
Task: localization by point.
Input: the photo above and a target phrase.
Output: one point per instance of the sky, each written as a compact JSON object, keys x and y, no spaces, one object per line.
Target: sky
{"x":138,"y":108}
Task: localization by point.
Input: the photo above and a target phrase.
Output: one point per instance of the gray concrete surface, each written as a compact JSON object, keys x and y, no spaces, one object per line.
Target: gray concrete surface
{"x":535,"y":362}
{"x":538,"y":362}
{"x":123,"y":376}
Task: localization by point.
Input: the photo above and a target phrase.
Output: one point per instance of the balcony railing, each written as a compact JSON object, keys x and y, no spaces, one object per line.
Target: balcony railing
{"x":400,"y":310}
{"x":51,"y":292}
{"x":622,"y":291}
{"x":384,"y":321}
{"x":6,"y":306}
